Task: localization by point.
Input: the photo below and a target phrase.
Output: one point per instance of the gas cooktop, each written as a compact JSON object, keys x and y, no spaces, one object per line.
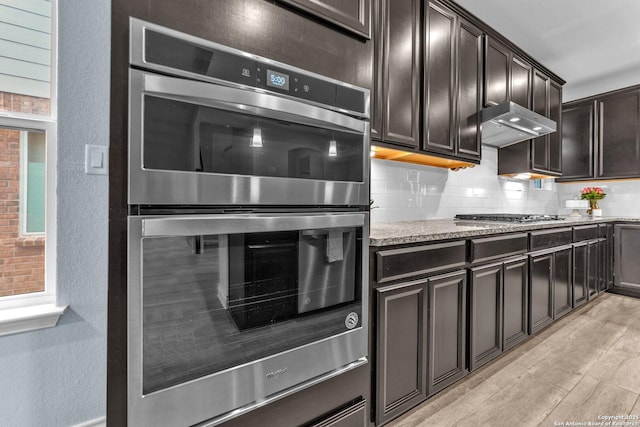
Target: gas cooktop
{"x":508,"y":217}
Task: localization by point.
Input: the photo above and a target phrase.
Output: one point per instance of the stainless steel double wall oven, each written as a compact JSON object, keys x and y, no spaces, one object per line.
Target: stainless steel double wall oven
{"x":248,"y":229}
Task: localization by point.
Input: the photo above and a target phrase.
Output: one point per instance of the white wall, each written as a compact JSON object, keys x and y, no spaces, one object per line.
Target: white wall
{"x":56,"y":377}
{"x":404,"y":191}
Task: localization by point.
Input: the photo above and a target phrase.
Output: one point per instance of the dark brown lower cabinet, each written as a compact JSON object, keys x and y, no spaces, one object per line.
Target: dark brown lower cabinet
{"x":498,"y":309}
{"x":562,"y":286}
{"x":580,"y":273}
{"x":485,"y":312}
{"x":593,"y":273}
{"x":401,"y":356}
{"x":516,"y":302}
{"x":541,"y":291}
{"x":602,"y":265}
{"x":551,"y":294}
{"x":446,"y":330}
{"x":627,"y":268}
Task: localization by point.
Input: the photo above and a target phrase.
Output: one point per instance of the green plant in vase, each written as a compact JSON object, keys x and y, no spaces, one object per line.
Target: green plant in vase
{"x":592,"y":194}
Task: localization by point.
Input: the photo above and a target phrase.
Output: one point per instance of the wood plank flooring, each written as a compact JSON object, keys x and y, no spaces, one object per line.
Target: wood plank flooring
{"x":581,"y":368}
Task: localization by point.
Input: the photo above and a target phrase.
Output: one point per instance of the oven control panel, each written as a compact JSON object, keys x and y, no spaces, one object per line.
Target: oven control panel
{"x":183,"y":53}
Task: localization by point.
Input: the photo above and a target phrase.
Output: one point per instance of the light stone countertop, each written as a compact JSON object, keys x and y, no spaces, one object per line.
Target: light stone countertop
{"x":402,"y":232}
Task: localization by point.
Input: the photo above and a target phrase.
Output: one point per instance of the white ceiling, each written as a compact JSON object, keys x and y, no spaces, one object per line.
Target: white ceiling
{"x":592,"y":44}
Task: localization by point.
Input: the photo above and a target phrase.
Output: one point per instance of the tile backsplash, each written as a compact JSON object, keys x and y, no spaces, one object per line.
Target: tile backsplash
{"x":404,"y":191}
{"x":621,"y":199}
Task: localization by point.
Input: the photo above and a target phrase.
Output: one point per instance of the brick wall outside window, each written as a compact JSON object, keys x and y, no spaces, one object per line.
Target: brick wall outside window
{"x":21,"y":258}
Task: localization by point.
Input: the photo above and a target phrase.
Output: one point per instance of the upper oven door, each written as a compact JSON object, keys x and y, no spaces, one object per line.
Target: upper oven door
{"x":197,"y":143}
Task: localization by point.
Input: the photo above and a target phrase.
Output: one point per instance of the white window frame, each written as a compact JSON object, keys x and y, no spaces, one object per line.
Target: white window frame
{"x":36,"y":310}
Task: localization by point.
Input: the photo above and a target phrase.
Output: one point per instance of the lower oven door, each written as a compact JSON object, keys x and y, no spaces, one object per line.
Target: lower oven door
{"x":230,"y":312}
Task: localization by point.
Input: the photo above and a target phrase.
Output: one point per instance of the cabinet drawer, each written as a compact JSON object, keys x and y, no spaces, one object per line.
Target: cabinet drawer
{"x":400,"y":263}
{"x":490,"y":248}
{"x":549,"y":238}
{"x":585,"y":232}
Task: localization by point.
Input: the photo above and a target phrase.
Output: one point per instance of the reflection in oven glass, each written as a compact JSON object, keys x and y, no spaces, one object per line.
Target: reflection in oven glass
{"x":188,"y":137}
{"x":218,"y":301}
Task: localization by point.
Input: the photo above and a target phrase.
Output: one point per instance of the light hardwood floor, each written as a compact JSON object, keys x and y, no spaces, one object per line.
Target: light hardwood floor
{"x":584,"y":366}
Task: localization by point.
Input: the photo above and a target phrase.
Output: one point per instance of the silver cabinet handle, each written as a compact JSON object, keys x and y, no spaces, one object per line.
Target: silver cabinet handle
{"x":250,"y":223}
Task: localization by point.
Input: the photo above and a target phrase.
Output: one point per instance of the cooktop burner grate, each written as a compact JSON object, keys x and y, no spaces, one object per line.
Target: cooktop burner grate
{"x":508,"y":217}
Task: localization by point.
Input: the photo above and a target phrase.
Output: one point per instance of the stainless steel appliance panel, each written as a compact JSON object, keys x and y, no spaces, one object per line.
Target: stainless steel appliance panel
{"x":192,"y":143}
{"x":327,"y":265}
{"x":187,"y":361}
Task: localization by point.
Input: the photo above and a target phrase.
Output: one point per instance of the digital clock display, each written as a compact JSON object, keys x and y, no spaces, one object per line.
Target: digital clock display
{"x":276,"y":79}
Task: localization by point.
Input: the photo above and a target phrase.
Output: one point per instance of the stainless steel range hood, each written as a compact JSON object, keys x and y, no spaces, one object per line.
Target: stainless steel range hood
{"x":508,"y":123}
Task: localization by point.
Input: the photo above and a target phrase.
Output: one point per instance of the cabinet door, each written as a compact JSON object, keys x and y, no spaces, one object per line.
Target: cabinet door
{"x":540,"y":146}
{"x":516,"y":302}
{"x":401,"y":364}
{"x":521,"y":82}
{"x":496,"y":78}
{"x":593,"y":270}
{"x":609,"y":256}
{"x":351,"y":15}
{"x":626,"y":250}
{"x":619,"y":136}
{"x":470,"y":71}
{"x":580,"y":274}
{"x":562,"y":286}
{"x":577,"y":141}
{"x":439,"y":80}
{"x":396,"y":115}
{"x":485,"y":325}
{"x":602,"y":265}
{"x":555,"y":139}
{"x":447,"y":330}
{"x":541,"y":291}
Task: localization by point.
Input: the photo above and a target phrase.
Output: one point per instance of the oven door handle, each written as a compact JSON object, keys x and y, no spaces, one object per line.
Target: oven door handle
{"x":230,"y":224}
{"x":246,"y":101}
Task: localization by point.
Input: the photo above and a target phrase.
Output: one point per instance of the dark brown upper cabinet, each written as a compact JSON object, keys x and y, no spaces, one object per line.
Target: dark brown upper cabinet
{"x":428,"y":89}
{"x":601,"y":136}
{"x":619,"y":136}
{"x":351,"y":15}
{"x":542,"y":155}
{"x":547,"y":150}
{"x":395,"y":115}
{"x":578,"y":147}
{"x":452,"y":84}
{"x":507,"y":77}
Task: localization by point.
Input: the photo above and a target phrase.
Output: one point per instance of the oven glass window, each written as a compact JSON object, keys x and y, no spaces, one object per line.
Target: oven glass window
{"x":181,"y":136}
{"x":213,"y":302}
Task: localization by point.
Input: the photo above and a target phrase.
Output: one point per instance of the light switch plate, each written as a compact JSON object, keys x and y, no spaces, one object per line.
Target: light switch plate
{"x":96,"y":160}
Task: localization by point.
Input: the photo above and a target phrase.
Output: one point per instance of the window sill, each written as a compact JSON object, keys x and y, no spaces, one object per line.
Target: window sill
{"x":16,"y":320}
{"x":30,"y":241}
